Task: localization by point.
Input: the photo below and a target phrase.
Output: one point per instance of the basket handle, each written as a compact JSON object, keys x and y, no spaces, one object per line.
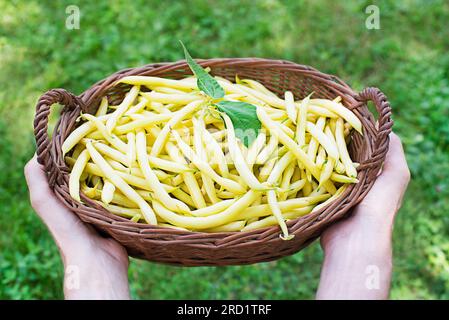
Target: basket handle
{"x":63,"y":97}
{"x":384,"y":125}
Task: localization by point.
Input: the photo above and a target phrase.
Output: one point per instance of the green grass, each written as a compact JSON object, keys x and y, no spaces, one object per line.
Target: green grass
{"x":407,"y":58}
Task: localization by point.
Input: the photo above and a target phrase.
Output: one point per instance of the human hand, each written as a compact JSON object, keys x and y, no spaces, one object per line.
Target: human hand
{"x":95,"y":267}
{"x":357,"y":250}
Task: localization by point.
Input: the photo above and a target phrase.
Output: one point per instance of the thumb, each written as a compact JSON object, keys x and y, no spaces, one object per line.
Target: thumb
{"x":395,"y":171}
{"x":61,"y":222}
{"x":390,"y":186}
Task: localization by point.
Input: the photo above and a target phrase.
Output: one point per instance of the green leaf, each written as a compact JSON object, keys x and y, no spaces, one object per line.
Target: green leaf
{"x":244,"y":118}
{"x":205,"y":81}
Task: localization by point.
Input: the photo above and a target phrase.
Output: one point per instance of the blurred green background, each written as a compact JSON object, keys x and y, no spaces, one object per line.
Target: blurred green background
{"x":407,"y":58}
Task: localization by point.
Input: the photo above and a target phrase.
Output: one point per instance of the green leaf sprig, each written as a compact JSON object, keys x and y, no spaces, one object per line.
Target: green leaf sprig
{"x":244,"y":118}
{"x":242,"y":114}
{"x":205,"y":81}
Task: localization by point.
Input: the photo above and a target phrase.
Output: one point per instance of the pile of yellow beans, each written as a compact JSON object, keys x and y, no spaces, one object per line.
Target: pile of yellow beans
{"x":166,"y":156}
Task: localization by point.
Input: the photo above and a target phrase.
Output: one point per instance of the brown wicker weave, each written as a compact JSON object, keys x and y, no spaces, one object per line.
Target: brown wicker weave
{"x":178,"y":247}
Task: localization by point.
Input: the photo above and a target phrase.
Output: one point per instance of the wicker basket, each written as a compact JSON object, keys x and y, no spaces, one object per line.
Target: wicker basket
{"x":185,"y":248}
